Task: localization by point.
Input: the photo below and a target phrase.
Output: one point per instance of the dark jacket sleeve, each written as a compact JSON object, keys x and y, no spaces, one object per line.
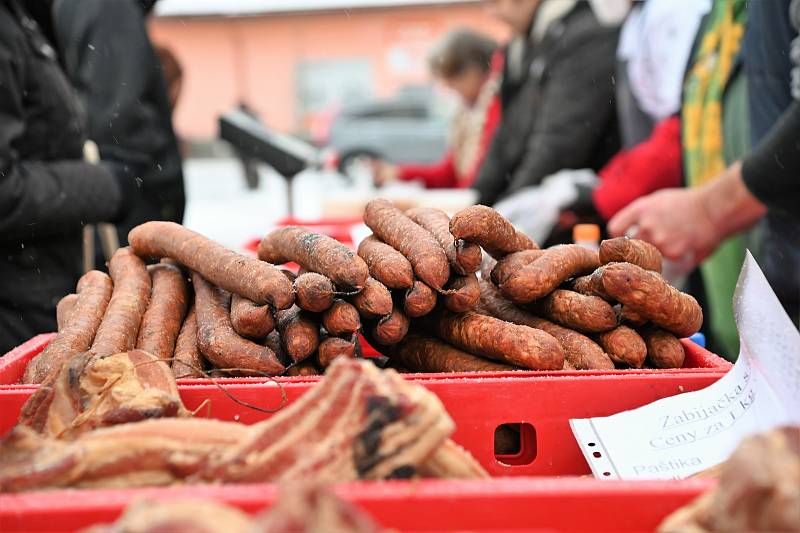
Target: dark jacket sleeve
{"x":111,"y":74}
{"x":575,"y":108}
{"x":771,"y":172}
{"x":42,"y":197}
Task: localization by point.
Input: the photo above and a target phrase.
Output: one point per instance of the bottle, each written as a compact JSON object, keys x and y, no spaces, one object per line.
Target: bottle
{"x":587,"y":235}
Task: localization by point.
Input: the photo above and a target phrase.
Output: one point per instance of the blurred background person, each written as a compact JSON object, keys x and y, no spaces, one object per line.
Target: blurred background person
{"x":47,"y":191}
{"x":465,"y":62}
{"x":557,"y":95}
{"x":654,"y":47}
{"x":695,"y":222}
{"x":110,"y":60}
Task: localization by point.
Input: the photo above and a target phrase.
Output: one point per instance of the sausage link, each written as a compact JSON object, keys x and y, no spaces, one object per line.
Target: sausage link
{"x":303,"y":369}
{"x":299,"y":332}
{"x":664,"y":350}
{"x":625,"y":250}
{"x":314,"y":292}
{"x":341,"y":319}
{"x":162,"y":320}
{"x":499,"y":340}
{"x":462,"y":293}
{"x":624,"y":346}
{"x":187,"y":361}
{"x":239,"y":274}
{"x":374,"y":300}
{"x":580,"y":352}
{"x":421,"y":249}
{"x":422,"y":353}
{"x":217,"y":340}
{"x":587,"y":314}
{"x":332,"y":347}
{"x":538,"y":279}
{"x":250,"y":320}
{"x":64,"y":310}
{"x":316,"y":253}
{"x":464,"y":257}
{"x":94,"y":292}
{"x":419,"y":300}
{"x":651,"y":297}
{"x":485,"y":226}
{"x":386,"y":264}
{"x":508,"y":265}
{"x":120,"y":326}
{"x":391,"y":329}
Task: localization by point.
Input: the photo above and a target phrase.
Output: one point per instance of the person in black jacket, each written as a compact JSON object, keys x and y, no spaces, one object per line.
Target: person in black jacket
{"x":110,"y":60}
{"x":47,"y":192}
{"x":557,"y":96}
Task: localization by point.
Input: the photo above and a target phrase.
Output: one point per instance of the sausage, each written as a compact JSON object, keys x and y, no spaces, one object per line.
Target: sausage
{"x":511,"y":263}
{"x":162,"y":320}
{"x":187,"y":361}
{"x":462,"y":293}
{"x":386,"y":264}
{"x":590,"y":285}
{"x":120,"y":326}
{"x":274,"y":343}
{"x":580,"y":352}
{"x":588,"y":314}
{"x":625,"y":250}
{"x":341,"y":319}
{"x":419,"y":300}
{"x":303,"y":369}
{"x":664,"y":350}
{"x":422,"y":250}
{"x":624,"y":346}
{"x":631,"y":317}
{"x":485,"y":226}
{"x":313,"y":292}
{"x":299,"y":332}
{"x":391,"y":329}
{"x":259,"y":281}
{"x":651,"y":297}
{"x":332,"y":347}
{"x":499,"y":340}
{"x":423,"y":353}
{"x":374,"y":300}
{"x":94,"y":292}
{"x":217,"y":340}
{"x":64,"y":310}
{"x":250,"y":320}
{"x":464,"y":257}
{"x":316,"y":253}
{"x":540,"y":278}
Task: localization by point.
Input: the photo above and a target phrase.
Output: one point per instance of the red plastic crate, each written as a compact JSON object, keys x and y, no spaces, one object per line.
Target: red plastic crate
{"x":478,"y":407}
{"x":698,"y":360}
{"x":513,"y":504}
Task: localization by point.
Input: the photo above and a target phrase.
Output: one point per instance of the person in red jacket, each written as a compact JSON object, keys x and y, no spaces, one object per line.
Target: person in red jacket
{"x":467,"y":63}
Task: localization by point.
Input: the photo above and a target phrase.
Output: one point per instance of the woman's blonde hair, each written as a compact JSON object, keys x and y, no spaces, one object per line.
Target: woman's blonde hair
{"x":460,"y":49}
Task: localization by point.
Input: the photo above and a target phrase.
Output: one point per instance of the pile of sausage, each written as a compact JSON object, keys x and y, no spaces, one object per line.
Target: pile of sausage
{"x":567,"y":307}
{"x":412,"y":289}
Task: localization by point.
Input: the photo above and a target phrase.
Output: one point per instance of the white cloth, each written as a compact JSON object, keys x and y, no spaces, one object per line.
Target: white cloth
{"x":534,"y":210}
{"x":656,"y":41}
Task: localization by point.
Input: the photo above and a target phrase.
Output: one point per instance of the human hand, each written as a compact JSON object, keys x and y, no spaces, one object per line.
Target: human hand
{"x":676,"y":221}
{"x":384,"y":173}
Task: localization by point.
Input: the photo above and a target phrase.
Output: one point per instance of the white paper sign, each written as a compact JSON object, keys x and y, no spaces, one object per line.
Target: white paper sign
{"x":677,"y":437}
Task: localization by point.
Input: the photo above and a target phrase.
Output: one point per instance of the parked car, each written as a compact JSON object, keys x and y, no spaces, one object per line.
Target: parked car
{"x":410,"y":128}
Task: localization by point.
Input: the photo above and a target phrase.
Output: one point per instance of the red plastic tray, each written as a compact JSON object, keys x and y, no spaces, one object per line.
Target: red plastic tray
{"x":521,"y":504}
{"x":698,"y":359}
{"x":478,"y":407}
